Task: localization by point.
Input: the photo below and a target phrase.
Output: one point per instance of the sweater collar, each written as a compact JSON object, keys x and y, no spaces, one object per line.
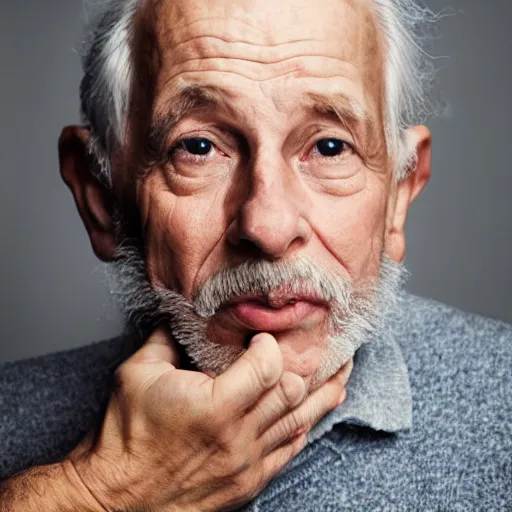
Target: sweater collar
{"x":378,"y":392}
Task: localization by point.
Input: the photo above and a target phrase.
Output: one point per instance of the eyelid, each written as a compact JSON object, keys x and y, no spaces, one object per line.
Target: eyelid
{"x":224,"y":140}
{"x":318,"y":136}
{"x":218,"y":148}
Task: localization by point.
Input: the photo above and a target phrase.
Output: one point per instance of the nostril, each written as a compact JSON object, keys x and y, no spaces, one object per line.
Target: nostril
{"x":248,"y":249}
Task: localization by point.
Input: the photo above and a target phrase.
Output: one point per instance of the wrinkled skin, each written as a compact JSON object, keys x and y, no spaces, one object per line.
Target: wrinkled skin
{"x":264,"y":189}
{"x":267,"y":194}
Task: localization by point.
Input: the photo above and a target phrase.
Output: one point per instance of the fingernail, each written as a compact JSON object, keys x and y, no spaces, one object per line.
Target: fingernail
{"x":342,"y":397}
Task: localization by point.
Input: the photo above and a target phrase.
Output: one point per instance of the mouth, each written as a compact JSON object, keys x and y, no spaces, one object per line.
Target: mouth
{"x":276,"y":311}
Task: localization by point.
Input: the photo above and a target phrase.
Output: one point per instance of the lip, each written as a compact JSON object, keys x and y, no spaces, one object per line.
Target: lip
{"x":278,"y":298}
{"x":259,"y":315}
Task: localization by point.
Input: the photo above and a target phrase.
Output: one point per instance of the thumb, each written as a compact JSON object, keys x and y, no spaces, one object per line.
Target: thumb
{"x":159,"y":347}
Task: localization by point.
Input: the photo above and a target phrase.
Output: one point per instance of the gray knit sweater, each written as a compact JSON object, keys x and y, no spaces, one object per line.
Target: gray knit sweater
{"x":427,"y":424}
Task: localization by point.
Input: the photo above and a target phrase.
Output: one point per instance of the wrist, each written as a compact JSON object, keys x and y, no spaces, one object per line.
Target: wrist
{"x":81,"y":496}
{"x":50,"y":488}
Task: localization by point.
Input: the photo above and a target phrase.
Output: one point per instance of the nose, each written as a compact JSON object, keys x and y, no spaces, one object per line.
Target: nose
{"x":270,"y":222}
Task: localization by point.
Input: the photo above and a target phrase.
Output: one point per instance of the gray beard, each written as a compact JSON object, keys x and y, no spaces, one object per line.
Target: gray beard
{"x":355,"y":311}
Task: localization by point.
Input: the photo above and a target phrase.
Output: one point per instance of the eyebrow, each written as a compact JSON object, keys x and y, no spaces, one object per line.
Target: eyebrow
{"x":350,"y":111}
{"x":190,"y":98}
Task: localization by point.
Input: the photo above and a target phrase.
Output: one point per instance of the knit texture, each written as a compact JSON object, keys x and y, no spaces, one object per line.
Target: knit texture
{"x":378,"y":391}
{"x":48,"y":404}
{"x":456,"y":457}
{"x":458,"y":454}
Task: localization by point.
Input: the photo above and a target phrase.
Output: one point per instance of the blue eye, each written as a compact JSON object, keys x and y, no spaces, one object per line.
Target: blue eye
{"x":196,"y":146}
{"x":331,"y":147}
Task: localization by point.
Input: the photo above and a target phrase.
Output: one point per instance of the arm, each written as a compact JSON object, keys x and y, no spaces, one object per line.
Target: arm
{"x":179,"y":440}
{"x":52,"y":488}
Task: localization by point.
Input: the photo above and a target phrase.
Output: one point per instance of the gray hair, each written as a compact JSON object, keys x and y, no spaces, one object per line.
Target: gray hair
{"x":356,"y":310}
{"x":108,"y":68}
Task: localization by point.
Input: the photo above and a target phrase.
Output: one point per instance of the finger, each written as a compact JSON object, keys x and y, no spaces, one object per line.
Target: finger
{"x":159,"y":347}
{"x":345,"y":371}
{"x":279,"y":458}
{"x":286,"y":395}
{"x":257,"y":370}
{"x":304,"y":417}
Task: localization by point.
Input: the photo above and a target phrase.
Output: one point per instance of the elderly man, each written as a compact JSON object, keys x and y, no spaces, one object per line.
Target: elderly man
{"x":247,"y":168}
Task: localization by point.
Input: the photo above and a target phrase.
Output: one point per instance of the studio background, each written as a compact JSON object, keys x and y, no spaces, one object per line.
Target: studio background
{"x":459,"y":232}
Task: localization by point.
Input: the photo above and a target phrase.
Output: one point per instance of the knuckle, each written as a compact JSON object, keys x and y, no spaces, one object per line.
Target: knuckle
{"x":239,"y":456}
{"x":297,"y":422}
{"x":230,"y":440}
{"x":122,"y":376}
{"x":292,"y":389}
{"x":246,"y":485}
{"x":266,"y":372}
{"x":227,"y":438}
{"x":293,"y":423}
{"x":235,"y":463}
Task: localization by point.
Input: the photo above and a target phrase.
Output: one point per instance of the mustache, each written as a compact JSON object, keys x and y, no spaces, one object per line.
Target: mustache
{"x":145,"y":306}
{"x":264,"y":279}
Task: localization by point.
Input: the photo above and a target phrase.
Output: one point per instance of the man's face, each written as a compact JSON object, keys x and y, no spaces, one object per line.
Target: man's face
{"x":285,"y":158}
{"x":266,"y":144}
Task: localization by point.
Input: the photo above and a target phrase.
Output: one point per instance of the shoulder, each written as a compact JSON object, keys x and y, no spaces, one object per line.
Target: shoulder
{"x":457,"y":356}
{"x":48,"y":403}
{"x":461,"y":380}
{"x":428,"y":330}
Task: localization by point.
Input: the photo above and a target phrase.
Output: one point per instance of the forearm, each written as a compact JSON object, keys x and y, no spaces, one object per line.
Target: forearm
{"x":52,"y":488}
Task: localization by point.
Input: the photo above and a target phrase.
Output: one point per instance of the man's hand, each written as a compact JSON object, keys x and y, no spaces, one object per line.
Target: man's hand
{"x":180,"y":440}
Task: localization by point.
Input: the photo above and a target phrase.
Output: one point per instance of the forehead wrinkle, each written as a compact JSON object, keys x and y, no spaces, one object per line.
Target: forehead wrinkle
{"x":250,"y":20}
{"x":208,"y":19}
{"x":279,"y":66}
{"x":242,"y":41}
{"x":300,"y":58}
{"x":210,"y":46}
{"x":195,"y":26}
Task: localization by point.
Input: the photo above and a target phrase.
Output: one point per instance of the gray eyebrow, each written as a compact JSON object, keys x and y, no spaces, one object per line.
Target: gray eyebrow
{"x":189,"y":98}
{"x":196,"y":97}
{"x":344,"y":106}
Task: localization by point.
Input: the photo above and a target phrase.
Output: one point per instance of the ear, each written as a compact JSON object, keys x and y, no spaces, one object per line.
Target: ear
{"x":407,"y":190}
{"x":94,"y":201}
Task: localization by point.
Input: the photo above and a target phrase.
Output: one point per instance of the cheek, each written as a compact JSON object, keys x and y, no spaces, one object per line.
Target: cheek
{"x":181,"y":232}
{"x":352,"y":228}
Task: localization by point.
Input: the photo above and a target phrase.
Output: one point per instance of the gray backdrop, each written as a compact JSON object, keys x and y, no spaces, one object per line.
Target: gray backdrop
{"x":52,"y":295}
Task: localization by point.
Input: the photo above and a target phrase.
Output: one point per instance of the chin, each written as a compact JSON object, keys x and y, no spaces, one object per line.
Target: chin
{"x":303,"y":357}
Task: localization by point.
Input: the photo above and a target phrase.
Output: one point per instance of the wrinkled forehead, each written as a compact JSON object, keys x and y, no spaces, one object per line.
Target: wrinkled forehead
{"x":266,"y":22}
{"x":344,"y":29}
{"x":327,"y":39}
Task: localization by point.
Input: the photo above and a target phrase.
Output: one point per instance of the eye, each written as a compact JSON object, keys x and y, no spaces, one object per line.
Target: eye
{"x":331,"y":147}
{"x":196,"y":146}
